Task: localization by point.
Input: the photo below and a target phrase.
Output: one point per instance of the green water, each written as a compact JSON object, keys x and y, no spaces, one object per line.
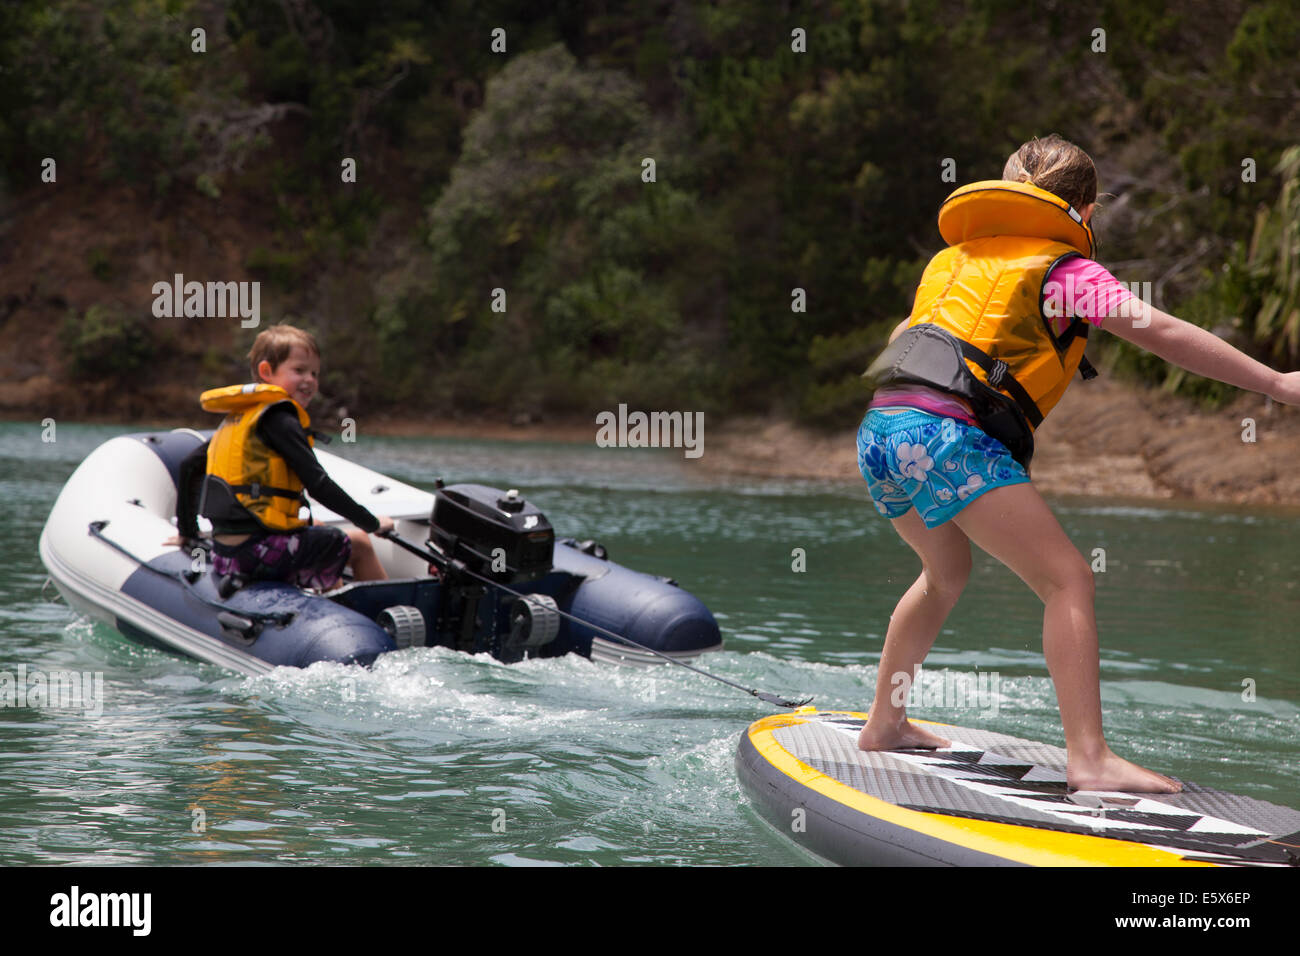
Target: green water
{"x":438,"y":758}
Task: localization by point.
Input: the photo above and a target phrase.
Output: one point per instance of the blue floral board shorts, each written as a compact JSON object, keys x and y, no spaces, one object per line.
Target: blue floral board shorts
{"x":912,"y":458}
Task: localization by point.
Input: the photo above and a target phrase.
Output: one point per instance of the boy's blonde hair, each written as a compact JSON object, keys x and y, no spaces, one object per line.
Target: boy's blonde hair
{"x":1056,"y":165}
{"x":275,"y":344}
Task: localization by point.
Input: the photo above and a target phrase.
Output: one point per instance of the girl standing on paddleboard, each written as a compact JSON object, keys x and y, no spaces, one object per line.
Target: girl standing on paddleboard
{"x":996,"y":334}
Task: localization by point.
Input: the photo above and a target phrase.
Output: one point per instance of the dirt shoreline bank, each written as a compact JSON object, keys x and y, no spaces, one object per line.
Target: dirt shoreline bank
{"x":1104,"y":439}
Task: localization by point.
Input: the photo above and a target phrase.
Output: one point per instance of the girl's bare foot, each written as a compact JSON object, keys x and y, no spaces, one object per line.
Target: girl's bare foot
{"x":878,"y":736}
{"x":1110,"y":772}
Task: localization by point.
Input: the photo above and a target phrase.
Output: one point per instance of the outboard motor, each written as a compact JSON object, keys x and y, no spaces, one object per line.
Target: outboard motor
{"x":500,"y":536}
{"x":497,"y":534}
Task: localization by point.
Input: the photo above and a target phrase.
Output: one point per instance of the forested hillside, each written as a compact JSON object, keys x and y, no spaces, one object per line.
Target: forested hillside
{"x":560,"y":207}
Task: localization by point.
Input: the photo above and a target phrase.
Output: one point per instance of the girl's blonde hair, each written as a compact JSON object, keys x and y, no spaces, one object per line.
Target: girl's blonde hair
{"x":1056,"y":165}
{"x":275,"y":344}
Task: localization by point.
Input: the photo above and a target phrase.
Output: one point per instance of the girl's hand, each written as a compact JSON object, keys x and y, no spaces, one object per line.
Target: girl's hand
{"x":1286,"y":389}
{"x":386,"y":523}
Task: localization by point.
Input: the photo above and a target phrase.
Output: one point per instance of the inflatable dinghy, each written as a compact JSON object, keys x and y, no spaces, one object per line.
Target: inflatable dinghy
{"x":103,"y":546}
{"x":988,"y":800}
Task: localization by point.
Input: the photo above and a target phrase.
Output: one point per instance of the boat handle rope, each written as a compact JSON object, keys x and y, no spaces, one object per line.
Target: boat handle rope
{"x":447,"y":563}
{"x":279,"y":618}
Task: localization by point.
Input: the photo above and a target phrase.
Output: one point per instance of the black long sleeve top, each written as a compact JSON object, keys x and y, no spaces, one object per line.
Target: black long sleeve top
{"x":280,"y":429}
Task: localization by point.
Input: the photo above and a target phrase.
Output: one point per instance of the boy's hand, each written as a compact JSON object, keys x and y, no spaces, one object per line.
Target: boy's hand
{"x":1286,"y":389}
{"x":386,"y":523}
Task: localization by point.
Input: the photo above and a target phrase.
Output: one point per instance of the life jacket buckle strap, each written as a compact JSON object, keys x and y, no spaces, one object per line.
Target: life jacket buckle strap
{"x":997,"y":372}
{"x":1000,"y":377}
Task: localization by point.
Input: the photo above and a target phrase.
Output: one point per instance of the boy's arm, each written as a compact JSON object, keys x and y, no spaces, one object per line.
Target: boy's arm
{"x":1199,"y":351}
{"x":280,"y":429}
{"x":189,"y":488}
{"x":899,"y":331}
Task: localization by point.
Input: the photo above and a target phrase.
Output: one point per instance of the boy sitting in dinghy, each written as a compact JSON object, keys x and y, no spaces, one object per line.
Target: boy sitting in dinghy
{"x":260,"y":461}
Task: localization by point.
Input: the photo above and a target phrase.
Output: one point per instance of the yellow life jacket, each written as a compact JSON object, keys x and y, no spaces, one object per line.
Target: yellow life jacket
{"x":245,"y":475}
{"x":977,"y":327}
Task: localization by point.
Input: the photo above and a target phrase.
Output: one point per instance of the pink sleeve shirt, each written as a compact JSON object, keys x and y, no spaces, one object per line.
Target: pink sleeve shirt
{"x":1077,"y":287}
{"x":1080,"y":287}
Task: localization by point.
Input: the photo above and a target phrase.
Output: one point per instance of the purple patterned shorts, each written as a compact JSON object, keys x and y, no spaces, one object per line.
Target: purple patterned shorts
{"x":311,"y":558}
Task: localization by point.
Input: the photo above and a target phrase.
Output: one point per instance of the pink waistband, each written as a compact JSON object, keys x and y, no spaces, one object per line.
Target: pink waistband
{"x":927,"y":400}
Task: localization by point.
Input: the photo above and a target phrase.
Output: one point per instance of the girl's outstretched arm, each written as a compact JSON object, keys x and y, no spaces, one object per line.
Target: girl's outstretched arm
{"x":1199,"y":351}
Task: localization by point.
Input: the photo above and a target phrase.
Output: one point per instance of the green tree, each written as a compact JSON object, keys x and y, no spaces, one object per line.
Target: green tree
{"x":548,"y":203}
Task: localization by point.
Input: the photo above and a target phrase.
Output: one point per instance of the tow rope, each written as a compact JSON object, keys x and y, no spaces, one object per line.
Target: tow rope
{"x":452,"y":565}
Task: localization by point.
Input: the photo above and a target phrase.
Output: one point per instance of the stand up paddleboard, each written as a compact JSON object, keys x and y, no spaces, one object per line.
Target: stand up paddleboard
{"x":988,"y":800}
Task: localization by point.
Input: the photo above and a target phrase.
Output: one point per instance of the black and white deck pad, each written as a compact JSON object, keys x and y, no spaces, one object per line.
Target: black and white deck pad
{"x":1003,"y":779}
